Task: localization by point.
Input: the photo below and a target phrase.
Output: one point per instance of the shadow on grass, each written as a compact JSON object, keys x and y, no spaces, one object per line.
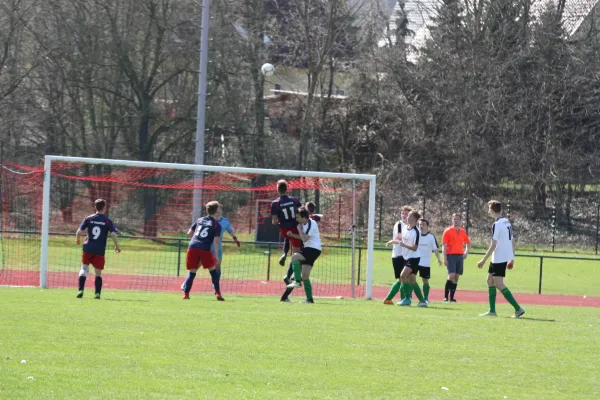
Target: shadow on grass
{"x":127,"y":300}
{"x":533,"y":319}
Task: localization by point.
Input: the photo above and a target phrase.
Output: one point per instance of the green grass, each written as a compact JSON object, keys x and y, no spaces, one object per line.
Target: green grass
{"x":144,"y":257}
{"x":133,"y":345}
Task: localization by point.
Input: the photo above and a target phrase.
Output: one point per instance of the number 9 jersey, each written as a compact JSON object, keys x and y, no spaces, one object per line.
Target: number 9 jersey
{"x":98,"y":227}
{"x":206,"y":229}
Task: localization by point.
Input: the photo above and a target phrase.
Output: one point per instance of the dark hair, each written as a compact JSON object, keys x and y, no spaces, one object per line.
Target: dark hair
{"x":424,"y":220}
{"x":281,"y":186}
{"x":100,"y":204}
{"x":310,"y":206}
{"x":415,"y":214}
{"x":303,"y":212}
{"x":495,"y":206}
{"x":212,"y":207}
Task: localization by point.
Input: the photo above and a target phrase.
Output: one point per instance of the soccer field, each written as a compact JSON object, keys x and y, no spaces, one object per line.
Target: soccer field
{"x":140,"y":345}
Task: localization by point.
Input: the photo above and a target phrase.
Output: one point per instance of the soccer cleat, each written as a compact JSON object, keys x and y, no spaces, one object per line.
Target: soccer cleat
{"x":294,"y":285}
{"x":404,"y":302}
{"x":445,"y":300}
{"x":518,"y":313}
{"x":186,"y":296}
{"x":426,"y":301}
{"x":422,"y":304}
{"x":219,"y":297}
{"x":80,"y":294}
{"x":307,"y":301}
{"x":286,"y":300}
{"x":282,"y":260}
{"x":388,"y":302}
{"x":97,"y":297}
{"x":286,"y":280}
{"x":488,"y":314}
{"x":452,"y":300}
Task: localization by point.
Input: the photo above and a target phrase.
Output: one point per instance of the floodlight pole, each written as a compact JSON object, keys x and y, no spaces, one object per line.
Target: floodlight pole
{"x":201,"y":113}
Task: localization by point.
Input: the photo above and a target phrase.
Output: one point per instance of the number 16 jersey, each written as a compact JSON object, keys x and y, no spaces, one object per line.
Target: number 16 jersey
{"x":98,"y":227}
{"x":206,"y":229}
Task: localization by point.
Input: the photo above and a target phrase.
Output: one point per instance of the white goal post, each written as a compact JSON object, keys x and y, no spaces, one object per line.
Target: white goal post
{"x":46,"y":206}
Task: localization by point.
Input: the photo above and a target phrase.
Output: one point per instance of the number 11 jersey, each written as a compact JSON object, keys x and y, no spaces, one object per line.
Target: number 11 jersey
{"x":285,"y":208}
{"x":206,"y":229}
{"x":98,"y":227}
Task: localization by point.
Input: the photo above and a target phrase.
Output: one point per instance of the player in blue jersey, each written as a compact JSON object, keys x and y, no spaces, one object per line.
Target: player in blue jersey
{"x":97,"y":227}
{"x":225,"y":227}
{"x":204,"y":233}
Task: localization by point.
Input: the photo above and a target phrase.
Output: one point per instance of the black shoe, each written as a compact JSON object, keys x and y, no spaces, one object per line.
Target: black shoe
{"x":80,"y":294}
{"x":445,"y":300}
{"x":452,"y":300}
{"x":307,"y":301}
{"x":282,"y":260}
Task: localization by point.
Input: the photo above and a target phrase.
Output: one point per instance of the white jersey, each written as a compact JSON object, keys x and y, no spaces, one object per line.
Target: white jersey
{"x":311,"y":229}
{"x":427,"y":244}
{"x":399,"y":227}
{"x":503,"y":235}
{"x":410,"y":237}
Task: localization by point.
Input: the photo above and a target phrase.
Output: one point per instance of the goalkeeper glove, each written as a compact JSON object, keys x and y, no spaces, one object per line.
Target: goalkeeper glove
{"x":237,"y":242}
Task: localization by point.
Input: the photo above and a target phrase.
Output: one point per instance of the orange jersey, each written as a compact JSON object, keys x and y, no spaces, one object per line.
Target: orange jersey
{"x":454,"y":240}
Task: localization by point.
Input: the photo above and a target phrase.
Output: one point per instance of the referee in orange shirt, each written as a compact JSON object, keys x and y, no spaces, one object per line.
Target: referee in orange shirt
{"x":455,"y":247}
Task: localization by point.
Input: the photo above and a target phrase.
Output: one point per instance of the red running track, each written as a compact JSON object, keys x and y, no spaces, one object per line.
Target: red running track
{"x":261,"y":288}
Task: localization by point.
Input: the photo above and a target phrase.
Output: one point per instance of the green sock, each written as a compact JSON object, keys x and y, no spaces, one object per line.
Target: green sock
{"x":509,"y":297}
{"x":407,"y":290}
{"x":297,"y":271}
{"x":393,"y":291}
{"x":417,"y":291}
{"x":426,"y":290}
{"x":492,"y":298}
{"x":308,"y":289}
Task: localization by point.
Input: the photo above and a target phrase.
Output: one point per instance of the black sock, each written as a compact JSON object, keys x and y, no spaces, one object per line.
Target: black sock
{"x":215,"y":276}
{"x":82,"y":282}
{"x":98,"y":283}
{"x":447,"y":288}
{"x":453,"y":290}
{"x":189,"y":281}
{"x":290,"y":272}
{"x":286,"y":293}
{"x":286,"y":246}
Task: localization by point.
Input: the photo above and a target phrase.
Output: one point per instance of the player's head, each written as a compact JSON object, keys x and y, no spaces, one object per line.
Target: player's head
{"x":100,"y":205}
{"x":404,"y":211}
{"x":424,"y":225}
{"x":212,"y":207}
{"x":311,"y":207}
{"x":413,"y":217}
{"x":494,"y":208}
{"x":456,"y":219}
{"x":302,"y":215}
{"x":282,"y":186}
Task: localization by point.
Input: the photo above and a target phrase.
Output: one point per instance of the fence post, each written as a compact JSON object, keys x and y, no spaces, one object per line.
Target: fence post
{"x":467,"y":205}
{"x":424,"y":206}
{"x":268,"y":261}
{"x":541,"y":273}
{"x":380,"y":214}
{"x":597,"y":224}
{"x":178,"y":256}
{"x":359,"y":259}
{"x":553,"y":225}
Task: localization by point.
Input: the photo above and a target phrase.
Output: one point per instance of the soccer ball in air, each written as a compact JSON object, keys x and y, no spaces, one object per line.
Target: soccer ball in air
{"x":267,"y":69}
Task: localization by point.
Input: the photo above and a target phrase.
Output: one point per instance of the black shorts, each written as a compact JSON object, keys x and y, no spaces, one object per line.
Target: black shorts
{"x":424,"y":272}
{"x":413,"y":264}
{"x":498,"y":269}
{"x":398,"y":263}
{"x":310,"y":255}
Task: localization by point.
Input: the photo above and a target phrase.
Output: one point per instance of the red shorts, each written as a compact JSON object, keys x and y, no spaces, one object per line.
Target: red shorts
{"x":195,"y":257}
{"x":94,"y":259}
{"x":296,"y":243}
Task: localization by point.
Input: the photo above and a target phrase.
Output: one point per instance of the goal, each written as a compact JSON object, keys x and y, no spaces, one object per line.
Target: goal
{"x":153,"y":205}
